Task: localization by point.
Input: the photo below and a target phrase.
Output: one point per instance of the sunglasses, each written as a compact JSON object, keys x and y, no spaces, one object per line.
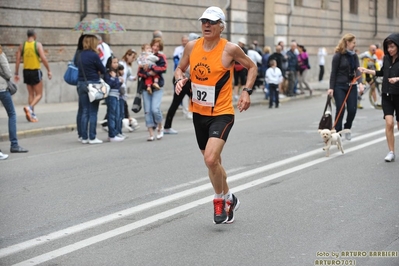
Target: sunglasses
{"x":212,"y":22}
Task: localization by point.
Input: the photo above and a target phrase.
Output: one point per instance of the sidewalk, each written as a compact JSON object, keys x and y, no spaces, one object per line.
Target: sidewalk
{"x":61,"y":117}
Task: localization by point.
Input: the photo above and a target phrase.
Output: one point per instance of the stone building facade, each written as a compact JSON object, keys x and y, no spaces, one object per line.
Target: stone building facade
{"x":313,"y":23}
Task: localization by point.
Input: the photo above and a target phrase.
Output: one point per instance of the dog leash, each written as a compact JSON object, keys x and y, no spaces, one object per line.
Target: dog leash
{"x":346,"y":97}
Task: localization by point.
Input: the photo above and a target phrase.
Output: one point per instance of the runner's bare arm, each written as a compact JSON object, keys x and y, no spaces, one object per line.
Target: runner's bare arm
{"x":43,"y":58}
{"x":17,"y":62}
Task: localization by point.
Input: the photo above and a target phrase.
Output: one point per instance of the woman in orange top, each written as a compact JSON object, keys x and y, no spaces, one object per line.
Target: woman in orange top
{"x":211,"y":60}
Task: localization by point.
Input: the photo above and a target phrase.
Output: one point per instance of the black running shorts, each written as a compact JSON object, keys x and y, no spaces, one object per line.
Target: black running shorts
{"x":32,"y":77}
{"x":211,"y":127}
{"x":390,"y":105}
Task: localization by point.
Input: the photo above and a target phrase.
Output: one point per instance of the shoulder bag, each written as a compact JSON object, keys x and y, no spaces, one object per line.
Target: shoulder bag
{"x":12,"y":87}
{"x":98,"y":92}
{"x":71,"y":74}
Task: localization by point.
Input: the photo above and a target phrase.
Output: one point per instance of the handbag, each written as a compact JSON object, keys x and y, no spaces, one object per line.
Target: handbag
{"x":326,"y":119}
{"x":12,"y":87}
{"x":71,"y":74}
{"x":137,"y":101}
{"x":136,"y":107}
{"x":99,"y":91}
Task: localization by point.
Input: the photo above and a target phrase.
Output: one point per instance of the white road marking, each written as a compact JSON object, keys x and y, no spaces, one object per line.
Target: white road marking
{"x":90,"y":241}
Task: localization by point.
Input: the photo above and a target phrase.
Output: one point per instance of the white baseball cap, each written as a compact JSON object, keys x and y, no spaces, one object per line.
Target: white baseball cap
{"x":213,"y":13}
{"x":242,"y":40}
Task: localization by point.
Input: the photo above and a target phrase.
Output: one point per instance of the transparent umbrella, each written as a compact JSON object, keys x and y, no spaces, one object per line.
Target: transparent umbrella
{"x":99,"y":26}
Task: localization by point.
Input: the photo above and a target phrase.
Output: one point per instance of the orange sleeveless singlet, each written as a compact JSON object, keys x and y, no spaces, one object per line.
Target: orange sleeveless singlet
{"x":211,"y":82}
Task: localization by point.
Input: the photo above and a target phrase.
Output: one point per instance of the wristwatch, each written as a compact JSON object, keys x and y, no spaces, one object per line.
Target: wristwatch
{"x":247,"y":90}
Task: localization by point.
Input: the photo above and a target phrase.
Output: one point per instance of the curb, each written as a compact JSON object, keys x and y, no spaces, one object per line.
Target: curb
{"x":72,"y":127}
{"x":40,"y":132}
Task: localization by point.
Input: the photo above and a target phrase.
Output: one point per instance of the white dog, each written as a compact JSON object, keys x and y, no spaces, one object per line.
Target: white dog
{"x":130,"y":124}
{"x":332,"y":138}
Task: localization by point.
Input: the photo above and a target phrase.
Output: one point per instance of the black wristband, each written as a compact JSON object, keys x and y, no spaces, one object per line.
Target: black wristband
{"x":249,"y":91}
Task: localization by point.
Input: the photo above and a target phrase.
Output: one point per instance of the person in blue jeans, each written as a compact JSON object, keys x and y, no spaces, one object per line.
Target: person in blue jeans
{"x":6,"y":100}
{"x":89,"y":65}
{"x":113,"y":100}
{"x":152,"y":102}
{"x":344,"y":69}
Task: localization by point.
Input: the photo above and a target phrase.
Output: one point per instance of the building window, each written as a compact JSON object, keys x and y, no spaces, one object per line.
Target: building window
{"x":353,"y":6}
{"x":324,"y":4}
{"x":298,"y":2}
{"x":390,"y":8}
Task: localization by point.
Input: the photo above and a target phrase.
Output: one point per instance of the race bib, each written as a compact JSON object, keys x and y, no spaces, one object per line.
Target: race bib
{"x":203,"y":95}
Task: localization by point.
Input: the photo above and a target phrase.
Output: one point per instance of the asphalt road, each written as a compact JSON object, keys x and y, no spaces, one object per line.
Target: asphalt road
{"x":149,"y":203}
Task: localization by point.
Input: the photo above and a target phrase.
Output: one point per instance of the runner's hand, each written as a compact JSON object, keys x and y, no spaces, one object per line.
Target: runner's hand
{"x":361,"y":88}
{"x":243,"y":102}
{"x":179,"y":85}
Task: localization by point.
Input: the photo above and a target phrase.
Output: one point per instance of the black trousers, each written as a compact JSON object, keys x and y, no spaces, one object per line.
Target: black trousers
{"x":273,"y":94}
{"x":177,"y":99}
{"x":321,"y":73}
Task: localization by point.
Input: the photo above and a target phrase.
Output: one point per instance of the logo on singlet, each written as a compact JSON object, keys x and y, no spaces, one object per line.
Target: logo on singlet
{"x":201,"y":71}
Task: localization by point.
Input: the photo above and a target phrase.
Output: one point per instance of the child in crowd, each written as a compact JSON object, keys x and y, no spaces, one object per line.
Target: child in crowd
{"x":122,"y":100}
{"x":127,"y":122}
{"x":273,"y":78}
{"x":146,"y":60}
{"x":113,"y":79}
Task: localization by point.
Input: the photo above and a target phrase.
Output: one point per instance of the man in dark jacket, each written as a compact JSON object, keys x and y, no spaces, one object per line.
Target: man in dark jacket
{"x":280,"y":59}
{"x":390,"y":89}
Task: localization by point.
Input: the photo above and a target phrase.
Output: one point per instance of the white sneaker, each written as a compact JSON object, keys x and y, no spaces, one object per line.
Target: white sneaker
{"x":160,"y":134}
{"x":116,"y":139}
{"x":123,"y":136}
{"x":189,"y":115}
{"x":105,"y":129}
{"x":85,"y":141}
{"x":3,"y":156}
{"x":390,"y":157}
{"x":169,"y":131}
{"x":348,"y":136}
{"x":95,"y":141}
{"x":80,"y":139}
